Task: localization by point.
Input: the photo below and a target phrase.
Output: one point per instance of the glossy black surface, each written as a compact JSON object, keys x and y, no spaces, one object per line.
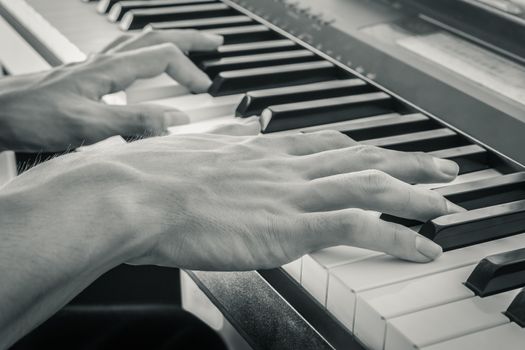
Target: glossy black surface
{"x":215,"y":66}
{"x":423,"y":141}
{"x":232,"y":82}
{"x":122,"y":7}
{"x":203,"y":23}
{"x":476,"y":226}
{"x":244,"y":34}
{"x":498,"y":273}
{"x":254,"y":102}
{"x":330,"y":110}
{"x":516,"y":309}
{"x":137,"y":19}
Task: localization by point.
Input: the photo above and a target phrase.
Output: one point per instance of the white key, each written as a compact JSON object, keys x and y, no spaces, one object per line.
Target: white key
{"x":509,"y":336}
{"x":474,"y":176}
{"x":294,"y":269}
{"x":203,"y":106}
{"x":7,"y":167}
{"x":348,"y":280}
{"x":162,"y":86}
{"x":316,"y":267}
{"x":448,"y":321}
{"x":375,"y":307}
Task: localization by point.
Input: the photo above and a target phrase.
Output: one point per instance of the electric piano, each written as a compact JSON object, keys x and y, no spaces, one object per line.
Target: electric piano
{"x":447,"y":78}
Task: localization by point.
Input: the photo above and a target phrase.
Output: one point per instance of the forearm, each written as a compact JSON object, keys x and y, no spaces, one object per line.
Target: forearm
{"x":50,"y":250}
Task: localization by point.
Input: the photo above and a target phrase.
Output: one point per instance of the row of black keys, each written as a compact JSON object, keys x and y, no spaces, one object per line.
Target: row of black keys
{"x":292,"y":88}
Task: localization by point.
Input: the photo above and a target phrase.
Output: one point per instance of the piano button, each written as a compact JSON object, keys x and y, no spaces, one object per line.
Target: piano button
{"x":498,"y":273}
{"x":244,"y":34}
{"x":348,"y":281}
{"x":475,"y":226}
{"x":137,"y":19}
{"x":245,"y":49}
{"x":254,"y":102}
{"x":243,"y":80}
{"x":122,"y":7}
{"x":104,"y":6}
{"x":425,"y":141}
{"x":484,"y":193}
{"x":395,"y":125}
{"x":378,"y":306}
{"x":214,"y":67}
{"x":469,"y":158}
{"x":316,"y":266}
{"x":508,"y":337}
{"x":445,"y":322}
{"x":315,"y":112}
{"x":516,"y":311}
{"x":202,"y":23}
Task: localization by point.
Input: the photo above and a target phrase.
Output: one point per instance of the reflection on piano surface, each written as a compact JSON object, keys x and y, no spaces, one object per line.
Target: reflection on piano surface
{"x":468,"y":299}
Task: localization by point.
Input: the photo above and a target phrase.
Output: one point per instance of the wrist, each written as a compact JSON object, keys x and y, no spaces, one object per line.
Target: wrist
{"x":69,"y":203}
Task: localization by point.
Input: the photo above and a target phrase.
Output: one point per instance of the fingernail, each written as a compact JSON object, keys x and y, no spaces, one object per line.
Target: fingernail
{"x":172,"y":118}
{"x":447,"y":167}
{"x":216,"y":39}
{"x":454,"y":208}
{"x":428,"y":248}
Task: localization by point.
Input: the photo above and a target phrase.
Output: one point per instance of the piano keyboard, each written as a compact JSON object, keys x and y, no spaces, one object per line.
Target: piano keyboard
{"x":384,"y":302}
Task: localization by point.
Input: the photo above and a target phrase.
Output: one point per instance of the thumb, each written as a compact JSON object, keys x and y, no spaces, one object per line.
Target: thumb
{"x":145,"y":119}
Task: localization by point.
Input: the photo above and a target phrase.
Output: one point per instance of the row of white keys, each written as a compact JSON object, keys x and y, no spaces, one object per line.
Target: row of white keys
{"x":378,"y":306}
{"x":294,"y":269}
{"x":449,"y":321}
{"x":348,"y":281}
{"x":317,"y":266}
{"x":508,"y":336}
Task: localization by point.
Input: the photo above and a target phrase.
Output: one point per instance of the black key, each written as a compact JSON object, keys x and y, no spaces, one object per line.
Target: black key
{"x":214,"y":67}
{"x":476,"y":226}
{"x":329,"y":110}
{"x":395,"y":125}
{"x":424,"y":141}
{"x":516,"y":310}
{"x":469,"y":158}
{"x":203,"y":23}
{"x":136,"y":19}
{"x":254,"y":102}
{"x":237,"y":81}
{"x":244,"y":34}
{"x":498,"y":273}
{"x":486,"y":192}
{"x":477,"y":194}
{"x":122,"y":7}
{"x":245,"y":49}
{"x":104,"y":6}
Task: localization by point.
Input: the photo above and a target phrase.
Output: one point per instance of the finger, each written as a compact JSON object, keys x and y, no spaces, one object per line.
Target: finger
{"x":115,"y":43}
{"x":186,"y":40}
{"x":243,"y":128}
{"x":358,"y":228}
{"x":143,"y":120}
{"x":112,"y":73}
{"x":303,"y":144}
{"x":377,"y":191}
{"x":411,"y":167}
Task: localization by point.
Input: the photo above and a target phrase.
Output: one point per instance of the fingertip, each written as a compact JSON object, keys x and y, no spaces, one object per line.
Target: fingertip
{"x":428,"y":249}
{"x":214,"y":39}
{"x":448,"y":168}
{"x":201,"y":83}
{"x":175,"y":117}
{"x":453,"y":208}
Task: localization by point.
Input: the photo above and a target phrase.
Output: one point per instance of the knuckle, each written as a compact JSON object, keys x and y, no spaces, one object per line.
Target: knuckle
{"x":370,"y":154}
{"x":374,"y":181}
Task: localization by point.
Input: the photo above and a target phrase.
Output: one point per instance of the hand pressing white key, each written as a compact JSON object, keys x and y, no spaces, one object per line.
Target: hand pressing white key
{"x":203,"y":201}
{"x":62,"y":108}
